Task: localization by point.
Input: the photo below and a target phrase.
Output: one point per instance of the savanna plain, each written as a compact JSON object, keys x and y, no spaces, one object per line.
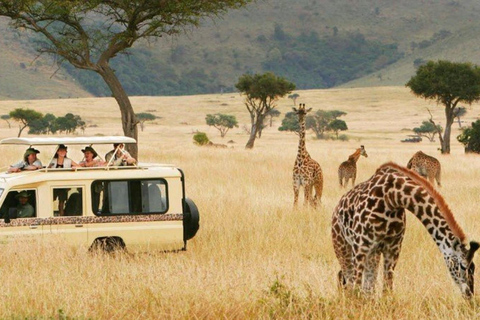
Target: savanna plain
{"x":255,"y":256}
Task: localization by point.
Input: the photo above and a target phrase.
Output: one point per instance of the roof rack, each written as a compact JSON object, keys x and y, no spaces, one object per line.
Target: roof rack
{"x":37,"y":141}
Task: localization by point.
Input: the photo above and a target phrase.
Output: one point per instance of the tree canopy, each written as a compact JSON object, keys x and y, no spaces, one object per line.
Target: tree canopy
{"x":222,"y":122}
{"x":25,"y":117}
{"x":261,"y":91}
{"x":428,"y":130}
{"x":70,"y":33}
{"x":448,"y":83}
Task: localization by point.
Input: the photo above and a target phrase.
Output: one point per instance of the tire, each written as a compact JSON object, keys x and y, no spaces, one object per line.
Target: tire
{"x":107,"y":245}
{"x":191,"y":219}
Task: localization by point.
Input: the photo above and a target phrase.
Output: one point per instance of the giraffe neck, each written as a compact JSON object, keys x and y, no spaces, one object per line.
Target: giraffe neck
{"x":302,"y":149}
{"x":354,"y":156}
{"x":412,"y":192}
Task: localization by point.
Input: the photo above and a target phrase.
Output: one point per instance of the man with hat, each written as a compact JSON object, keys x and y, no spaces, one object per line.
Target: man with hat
{"x":29,"y":162}
{"x":120,"y":157}
{"x":24,"y":209}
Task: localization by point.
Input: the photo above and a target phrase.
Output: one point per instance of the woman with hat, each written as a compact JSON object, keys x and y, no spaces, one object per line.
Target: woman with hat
{"x":60,"y":159}
{"x":89,"y":160}
{"x":29,"y":162}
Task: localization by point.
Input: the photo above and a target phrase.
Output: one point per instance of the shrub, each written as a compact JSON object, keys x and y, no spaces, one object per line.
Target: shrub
{"x":200,"y":138}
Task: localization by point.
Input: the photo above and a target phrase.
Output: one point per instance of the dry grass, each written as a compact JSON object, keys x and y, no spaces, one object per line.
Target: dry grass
{"x":254,"y":256}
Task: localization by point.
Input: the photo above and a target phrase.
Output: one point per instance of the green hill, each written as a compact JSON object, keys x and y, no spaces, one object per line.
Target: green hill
{"x":314,"y":43}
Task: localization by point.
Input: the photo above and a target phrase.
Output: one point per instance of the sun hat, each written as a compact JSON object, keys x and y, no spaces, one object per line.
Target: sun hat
{"x":23,"y":194}
{"x":91,"y":150}
{"x":62,"y":146}
{"x":30,"y":151}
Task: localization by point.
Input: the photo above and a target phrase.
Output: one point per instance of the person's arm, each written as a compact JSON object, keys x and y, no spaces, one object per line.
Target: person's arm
{"x":17,"y":167}
{"x":34,"y":166}
{"x":129,"y":159}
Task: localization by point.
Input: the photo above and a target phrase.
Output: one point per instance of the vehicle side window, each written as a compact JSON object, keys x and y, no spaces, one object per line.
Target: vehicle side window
{"x":14,"y":207}
{"x":129,"y":196}
{"x":68,"y":201}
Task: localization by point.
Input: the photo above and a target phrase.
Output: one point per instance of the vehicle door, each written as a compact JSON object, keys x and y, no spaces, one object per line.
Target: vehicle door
{"x":68,"y":210}
{"x":19,"y":216}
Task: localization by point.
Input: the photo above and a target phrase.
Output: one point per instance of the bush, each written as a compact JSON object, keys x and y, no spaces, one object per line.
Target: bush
{"x":343,"y":137}
{"x":470,"y":138}
{"x":200,"y":138}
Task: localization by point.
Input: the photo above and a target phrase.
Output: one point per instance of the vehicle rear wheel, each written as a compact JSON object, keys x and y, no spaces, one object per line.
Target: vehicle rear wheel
{"x":107,"y":244}
{"x":191,"y":219}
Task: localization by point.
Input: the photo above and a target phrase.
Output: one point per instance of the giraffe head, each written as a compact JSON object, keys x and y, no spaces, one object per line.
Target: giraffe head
{"x":363,"y":152}
{"x":461,"y":266}
{"x":301,"y":109}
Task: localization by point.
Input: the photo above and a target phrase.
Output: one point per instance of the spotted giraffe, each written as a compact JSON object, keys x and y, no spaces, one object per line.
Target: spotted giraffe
{"x":369,"y":221}
{"x":348,"y":169}
{"x":306,"y":171}
{"x":427,"y":166}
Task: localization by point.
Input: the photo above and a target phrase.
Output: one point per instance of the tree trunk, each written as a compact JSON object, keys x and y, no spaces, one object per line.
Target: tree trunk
{"x":448,"y":130}
{"x":253,"y":132}
{"x":129,"y":121}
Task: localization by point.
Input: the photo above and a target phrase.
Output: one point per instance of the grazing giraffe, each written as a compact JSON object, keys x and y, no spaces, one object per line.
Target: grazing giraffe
{"x":369,"y":221}
{"x":306,"y":171}
{"x":348,"y":169}
{"x":427,"y":166}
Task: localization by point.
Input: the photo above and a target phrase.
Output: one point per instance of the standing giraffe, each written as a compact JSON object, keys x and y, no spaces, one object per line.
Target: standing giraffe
{"x":348,"y":169}
{"x":306,"y":171}
{"x":427,"y":166}
{"x":369,"y":221}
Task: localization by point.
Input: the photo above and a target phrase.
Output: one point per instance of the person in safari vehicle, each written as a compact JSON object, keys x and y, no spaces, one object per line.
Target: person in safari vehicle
{"x":29,"y":162}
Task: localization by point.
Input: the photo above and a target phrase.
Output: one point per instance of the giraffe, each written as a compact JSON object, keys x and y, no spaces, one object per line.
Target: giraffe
{"x":369,"y":221}
{"x":348,"y":169}
{"x":427,"y":166}
{"x":306,"y":171}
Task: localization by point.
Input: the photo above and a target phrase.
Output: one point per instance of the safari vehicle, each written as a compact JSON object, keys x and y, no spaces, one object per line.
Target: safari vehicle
{"x":133,"y":206}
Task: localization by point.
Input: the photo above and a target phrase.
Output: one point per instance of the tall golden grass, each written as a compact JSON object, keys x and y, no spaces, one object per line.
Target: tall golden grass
{"x":254,"y":257}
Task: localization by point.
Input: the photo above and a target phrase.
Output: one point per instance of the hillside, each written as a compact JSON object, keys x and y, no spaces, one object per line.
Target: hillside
{"x":299,"y":40}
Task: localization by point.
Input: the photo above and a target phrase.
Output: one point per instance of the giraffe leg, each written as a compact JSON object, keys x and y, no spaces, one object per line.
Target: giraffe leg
{"x":353,"y":179}
{"x":344,"y":254}
{"x":318,"y":192}
{"x":390,"y":258}
{"x":296,"y":190}
{"x":307,"y":194}
{"x":371,"y":272}
{"x":438,"y":176}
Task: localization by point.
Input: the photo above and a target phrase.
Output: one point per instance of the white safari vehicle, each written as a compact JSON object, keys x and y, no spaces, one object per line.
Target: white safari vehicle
{"x":107,"y":207}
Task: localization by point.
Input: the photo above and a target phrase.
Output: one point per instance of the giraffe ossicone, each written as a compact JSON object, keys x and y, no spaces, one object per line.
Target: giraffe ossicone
{"x":307,"y":173}
{"x":369,"y":221}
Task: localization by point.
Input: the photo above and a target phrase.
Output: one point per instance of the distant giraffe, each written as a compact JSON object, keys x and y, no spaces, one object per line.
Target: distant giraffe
{"x":427,"y":166}
{"x":369,"y":221}
{"x":306,"y":171}
{"x":348,"y":169}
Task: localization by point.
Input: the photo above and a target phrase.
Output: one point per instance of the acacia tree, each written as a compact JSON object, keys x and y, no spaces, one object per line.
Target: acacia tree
{"x":6,"y":117}
{"x":26,"y":117}
{"x":144,"y":116}
{"x":449,"y":83}
{"x":428,"y":130}
{"x":89,"y":33}
{"x":337,"y":125}
{"x":261,"y":91}
{"x":221,"y":122}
